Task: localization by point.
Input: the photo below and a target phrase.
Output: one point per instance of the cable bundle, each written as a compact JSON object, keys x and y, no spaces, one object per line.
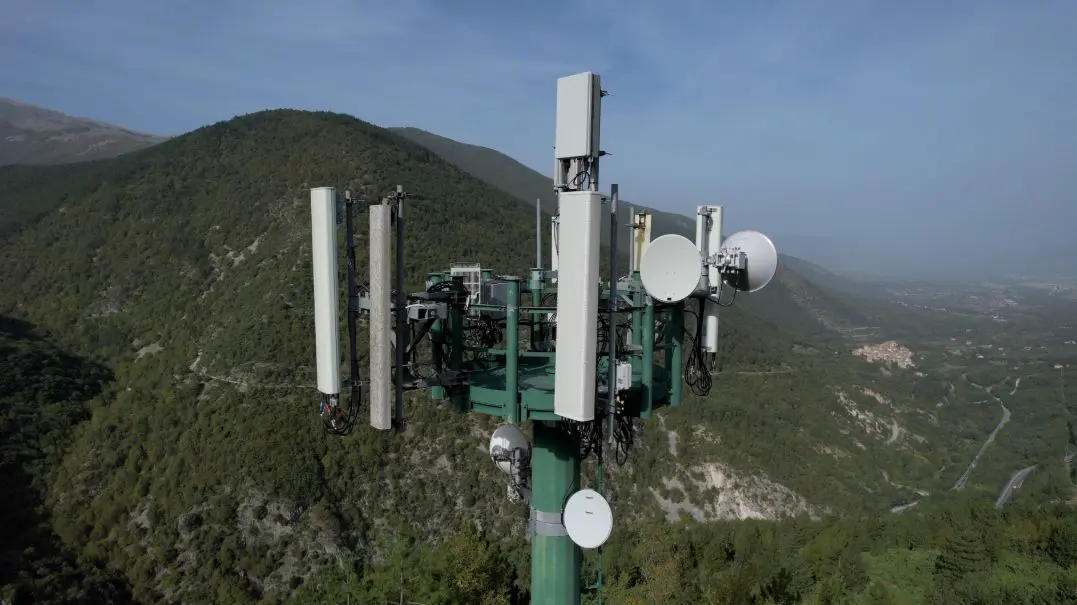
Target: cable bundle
{"x":697,"y":373}
{"x":587,"y":435}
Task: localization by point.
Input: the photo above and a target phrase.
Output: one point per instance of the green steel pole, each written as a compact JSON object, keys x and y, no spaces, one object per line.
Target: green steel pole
{"x":637,"y":318}
{"x":555,"y":559}
{"x":536,"y":301}
{"x":647,"y":375}
{"x":456,"y":354}
{"x":512,"y":350}
{"x":676,"y":355}
{"x":637,"y":301}
{"x":437,"y":393}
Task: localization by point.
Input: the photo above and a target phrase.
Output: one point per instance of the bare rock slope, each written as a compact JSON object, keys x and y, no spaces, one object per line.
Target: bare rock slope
{"x":35,"y":135}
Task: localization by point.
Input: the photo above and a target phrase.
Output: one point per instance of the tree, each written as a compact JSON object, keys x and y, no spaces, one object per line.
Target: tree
{"x":1062,"y":543}
{"x":961,"y":554}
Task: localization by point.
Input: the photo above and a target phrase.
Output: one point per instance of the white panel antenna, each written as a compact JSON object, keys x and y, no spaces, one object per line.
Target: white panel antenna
{"x":323,"y":228}
{"x":381,"y":381}
{"x":714,"y":244}
{"x":579,"y":108}
{"x":577,"y":305}
{"x":641,"y":238}
{"x":588,"y":519}
{"x":701,"y":230}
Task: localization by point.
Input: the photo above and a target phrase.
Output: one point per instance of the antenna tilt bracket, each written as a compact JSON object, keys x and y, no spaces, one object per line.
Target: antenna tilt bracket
{"x":728,"y":261}
{"x":519,"y":469}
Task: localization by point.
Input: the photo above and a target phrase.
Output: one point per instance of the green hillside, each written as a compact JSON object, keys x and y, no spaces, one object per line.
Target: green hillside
{"x":205,"y":477}
{"x":800,"y":306}
{"x":186,"y":270}
{"x":31,"y":192}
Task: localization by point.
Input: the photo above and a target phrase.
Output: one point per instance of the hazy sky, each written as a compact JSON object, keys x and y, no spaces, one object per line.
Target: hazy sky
{"x":893,"y":129}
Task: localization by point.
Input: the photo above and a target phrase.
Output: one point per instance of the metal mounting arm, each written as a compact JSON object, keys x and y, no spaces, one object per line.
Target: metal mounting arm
{"x":729,"y":262}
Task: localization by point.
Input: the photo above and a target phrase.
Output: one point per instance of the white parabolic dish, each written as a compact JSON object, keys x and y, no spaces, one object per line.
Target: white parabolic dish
{"x":506,"y":438}
{"x":671,"y":268}
{"x":588,"y":519}
{"x":762,"y":259}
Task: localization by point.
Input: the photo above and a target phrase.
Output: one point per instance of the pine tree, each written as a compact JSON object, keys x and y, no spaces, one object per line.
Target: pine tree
{"x":960,"y":555}
{"x":1062,"y":544}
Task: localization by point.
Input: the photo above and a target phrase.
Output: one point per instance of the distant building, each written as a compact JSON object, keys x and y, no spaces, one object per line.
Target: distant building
{"x":890,"y":352}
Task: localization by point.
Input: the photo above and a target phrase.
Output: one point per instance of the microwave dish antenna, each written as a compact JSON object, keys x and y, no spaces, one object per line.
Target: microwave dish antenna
{"x":588,"y":519}
{"x":761,"y":260}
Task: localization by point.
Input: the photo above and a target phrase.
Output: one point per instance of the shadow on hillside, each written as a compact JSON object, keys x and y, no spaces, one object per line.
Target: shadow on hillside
{"x":43,"y":395}
{"x":34,"y":566}
{"x":17,"y":329}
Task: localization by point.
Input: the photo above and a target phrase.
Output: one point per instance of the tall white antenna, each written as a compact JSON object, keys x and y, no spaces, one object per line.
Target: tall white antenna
{"x":323,"y":227}
{"x":575,"y":368}
{"x":381,"y":381}
{"x":578,"y":229}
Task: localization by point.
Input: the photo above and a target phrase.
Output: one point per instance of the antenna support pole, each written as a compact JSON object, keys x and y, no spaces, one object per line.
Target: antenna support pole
{"x":611,"y":375}
{"x":555,"y":559}
{"x":353,"y":295}
{"x":403,"y":336}
{"x":538,"y":233}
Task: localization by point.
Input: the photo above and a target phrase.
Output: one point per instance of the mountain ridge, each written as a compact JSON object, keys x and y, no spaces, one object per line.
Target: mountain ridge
{"x":30,"y":134}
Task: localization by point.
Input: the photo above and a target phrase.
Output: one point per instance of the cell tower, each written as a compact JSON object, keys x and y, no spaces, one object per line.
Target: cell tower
{"x":578,"y":357}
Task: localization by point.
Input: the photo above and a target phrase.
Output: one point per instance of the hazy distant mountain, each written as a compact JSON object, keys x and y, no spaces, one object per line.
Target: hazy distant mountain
{"x":35,"y":135}
{"x":527,"y":184}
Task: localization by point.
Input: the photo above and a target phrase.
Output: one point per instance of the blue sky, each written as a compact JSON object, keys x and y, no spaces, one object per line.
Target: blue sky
{"x":887,"y":132}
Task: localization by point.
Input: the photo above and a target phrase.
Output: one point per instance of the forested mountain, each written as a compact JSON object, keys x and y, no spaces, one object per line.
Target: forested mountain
{"x":34,"y":135}
{"x":203,"y":474}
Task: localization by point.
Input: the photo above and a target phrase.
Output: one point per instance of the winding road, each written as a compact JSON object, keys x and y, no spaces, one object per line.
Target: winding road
{"x":1012,"y":485}
{"x":1015,"y":481}
{"x":990,"y":438}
